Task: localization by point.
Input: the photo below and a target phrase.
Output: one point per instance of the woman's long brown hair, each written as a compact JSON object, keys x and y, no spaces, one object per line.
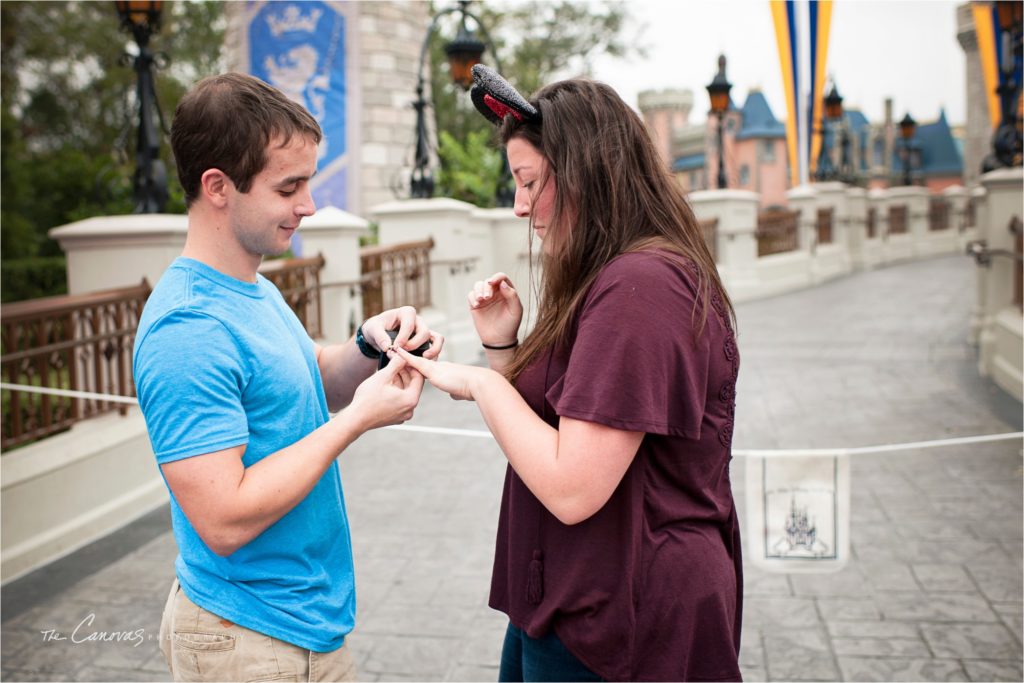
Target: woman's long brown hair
{"x":613,"y":194}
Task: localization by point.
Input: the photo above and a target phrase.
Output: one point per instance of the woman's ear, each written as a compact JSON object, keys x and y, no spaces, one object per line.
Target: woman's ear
{"x":214,"y":186}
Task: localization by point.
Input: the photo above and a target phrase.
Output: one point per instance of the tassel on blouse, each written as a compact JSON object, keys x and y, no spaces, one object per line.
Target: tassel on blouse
{"x":535,"y":579}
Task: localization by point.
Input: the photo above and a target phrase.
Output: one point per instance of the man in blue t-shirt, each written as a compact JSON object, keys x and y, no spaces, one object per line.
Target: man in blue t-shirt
{"x":236,"y":398}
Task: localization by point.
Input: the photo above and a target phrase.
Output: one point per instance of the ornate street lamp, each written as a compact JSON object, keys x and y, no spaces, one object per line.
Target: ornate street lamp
{"x":833,"y":113}
{"x":718,"y":92}
{"x":142,"y":19}
{"x":908,"y":126}
{"x":834,"y":104}
{"x":1006,"y":142}
{"x":463,"y":54}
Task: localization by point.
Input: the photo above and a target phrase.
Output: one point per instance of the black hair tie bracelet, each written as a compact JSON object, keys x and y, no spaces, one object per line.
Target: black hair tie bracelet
{"x":505,"y":347}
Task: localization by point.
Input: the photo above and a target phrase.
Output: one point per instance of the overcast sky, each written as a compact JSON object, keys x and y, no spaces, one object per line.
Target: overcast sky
{"x":904,"y":49}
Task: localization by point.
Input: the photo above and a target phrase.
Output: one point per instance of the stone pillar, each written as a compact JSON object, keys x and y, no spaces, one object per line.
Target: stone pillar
{"x":804,"y":198}
{"x":736,"y":240}
{"x":386,"y":58}
{"x":832,"y":195}
{"x":980,"y":197}
{"x":457,"y":238}
{"x":105,"y":252}
{"x":833,"y":259}
{"x":978,"y":126}
{"x":510,"y":254}
{"x":878,"y":198}
{"x":957,"y":198}
{"x":857,"y":228}
{"x":335,"y":234}
{"x":916,"y":200}
{"x":1001,"y":325}
{"x":509,"y":245}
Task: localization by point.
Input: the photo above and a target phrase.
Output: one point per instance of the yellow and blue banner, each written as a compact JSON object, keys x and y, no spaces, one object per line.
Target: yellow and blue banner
{"x":300,"y":47}
{"x":820,"y":14}
{"x":802,"y":29}
{"x":994,"y":66}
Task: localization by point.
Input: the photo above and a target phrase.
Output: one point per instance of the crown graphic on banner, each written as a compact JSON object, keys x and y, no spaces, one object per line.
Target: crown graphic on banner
{"x":292,"y":19}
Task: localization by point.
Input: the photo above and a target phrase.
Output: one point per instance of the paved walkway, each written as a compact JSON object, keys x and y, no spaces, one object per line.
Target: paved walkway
{"x":932,"y":590}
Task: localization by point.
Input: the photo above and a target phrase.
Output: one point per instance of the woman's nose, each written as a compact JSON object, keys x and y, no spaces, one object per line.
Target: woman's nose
{"x":522,"y":204}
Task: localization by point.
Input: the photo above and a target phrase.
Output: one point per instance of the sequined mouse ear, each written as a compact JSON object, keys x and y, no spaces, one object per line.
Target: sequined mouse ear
{"x":495,"y":98}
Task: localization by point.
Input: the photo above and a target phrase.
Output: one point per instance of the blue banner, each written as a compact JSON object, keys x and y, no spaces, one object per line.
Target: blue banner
{"x":299,"y":48}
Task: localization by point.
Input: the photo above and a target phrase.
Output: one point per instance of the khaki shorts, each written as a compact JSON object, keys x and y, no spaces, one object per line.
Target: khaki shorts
{"x":200,"y":646}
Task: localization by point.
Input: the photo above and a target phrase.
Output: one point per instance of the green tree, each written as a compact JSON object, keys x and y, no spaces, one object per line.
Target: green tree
{"x":536,"y":42}
{"x":69,"y":114}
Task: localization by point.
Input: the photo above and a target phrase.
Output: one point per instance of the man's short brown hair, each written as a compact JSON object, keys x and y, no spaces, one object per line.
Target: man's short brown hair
{"x":228,"y":122}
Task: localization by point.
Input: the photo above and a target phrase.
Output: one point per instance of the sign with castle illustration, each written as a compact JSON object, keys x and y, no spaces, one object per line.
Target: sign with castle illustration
{"x":299,"y":48}
{"x":798,"y":511}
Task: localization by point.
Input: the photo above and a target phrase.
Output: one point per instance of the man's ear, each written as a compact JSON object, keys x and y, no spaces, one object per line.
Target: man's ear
{"x":215,"y":185}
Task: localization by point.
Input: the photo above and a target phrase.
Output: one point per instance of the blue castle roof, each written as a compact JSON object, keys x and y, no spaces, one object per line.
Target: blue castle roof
{"x":860,"y":130}
{"x":688,"y":163}
{"x":939,"y":154}
{"x":758,"y":119}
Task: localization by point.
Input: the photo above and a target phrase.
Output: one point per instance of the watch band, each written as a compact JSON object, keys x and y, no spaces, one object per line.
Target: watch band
{"x":364,"y":346}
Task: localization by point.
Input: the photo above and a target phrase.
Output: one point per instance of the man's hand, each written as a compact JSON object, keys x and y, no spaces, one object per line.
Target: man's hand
{"x":387,"y":397}
{"x":412,"y":331}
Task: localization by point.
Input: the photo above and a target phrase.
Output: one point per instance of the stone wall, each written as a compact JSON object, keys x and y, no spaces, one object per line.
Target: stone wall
{"x":391,"y":36}
{"x":383,"y":49}
{"x":978,"y":134}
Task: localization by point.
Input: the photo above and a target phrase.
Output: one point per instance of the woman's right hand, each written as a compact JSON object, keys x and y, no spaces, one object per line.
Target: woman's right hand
{"x":496,"y":310}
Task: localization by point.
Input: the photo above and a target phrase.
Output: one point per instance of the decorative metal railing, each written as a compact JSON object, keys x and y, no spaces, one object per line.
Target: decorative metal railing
{"x":1016,"y":228}
{"x":395,"y":275}
{"x":777,"y":231}
{"x":938,"y":214}
{"x":897,"y":219}
{"x":298,"y":279}
{"x":970,"y":214}
{"x":824,"y":225}
{"x":79,"y":342}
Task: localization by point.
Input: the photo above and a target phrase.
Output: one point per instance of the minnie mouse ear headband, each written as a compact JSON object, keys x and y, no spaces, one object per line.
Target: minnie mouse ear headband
{"x":495,"y":98}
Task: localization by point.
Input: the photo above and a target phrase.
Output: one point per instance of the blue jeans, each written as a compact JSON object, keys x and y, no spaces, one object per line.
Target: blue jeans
{"x":539,"y":659}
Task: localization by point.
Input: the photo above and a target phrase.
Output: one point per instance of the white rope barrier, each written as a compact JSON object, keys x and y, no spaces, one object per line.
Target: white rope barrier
{"x":69,"y":393}
{"x":737,"y":452}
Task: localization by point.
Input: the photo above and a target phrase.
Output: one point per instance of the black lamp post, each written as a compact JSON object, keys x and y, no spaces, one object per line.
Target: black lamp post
{"x":142,"y":19}
{"x":718,"y":91}
{"x":1006,"y":142}
{"x":833,"y":114}
{"x":908,"y":126}
{"x":463,"y":53}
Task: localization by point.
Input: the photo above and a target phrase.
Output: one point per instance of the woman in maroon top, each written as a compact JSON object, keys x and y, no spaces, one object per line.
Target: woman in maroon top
{"x":618,"y":550}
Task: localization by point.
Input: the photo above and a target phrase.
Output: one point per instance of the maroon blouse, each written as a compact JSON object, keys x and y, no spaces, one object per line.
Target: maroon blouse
{"x":650,"y":587}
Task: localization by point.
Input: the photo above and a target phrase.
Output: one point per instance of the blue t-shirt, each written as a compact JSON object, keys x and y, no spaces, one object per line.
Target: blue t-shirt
{"x":219,"y":363}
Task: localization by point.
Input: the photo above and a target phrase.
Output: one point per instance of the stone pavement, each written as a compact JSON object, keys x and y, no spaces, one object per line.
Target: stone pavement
{"x":932,"y":590}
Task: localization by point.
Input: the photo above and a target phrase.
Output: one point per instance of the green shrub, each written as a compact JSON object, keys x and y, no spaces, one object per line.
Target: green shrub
{"x":31,"y":278}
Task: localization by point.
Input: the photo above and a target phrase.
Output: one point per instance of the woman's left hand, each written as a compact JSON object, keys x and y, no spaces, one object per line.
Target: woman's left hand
{"x":458,"y":381}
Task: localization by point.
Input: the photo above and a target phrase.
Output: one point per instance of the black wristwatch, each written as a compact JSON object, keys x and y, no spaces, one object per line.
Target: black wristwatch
{"x":364,"y":346}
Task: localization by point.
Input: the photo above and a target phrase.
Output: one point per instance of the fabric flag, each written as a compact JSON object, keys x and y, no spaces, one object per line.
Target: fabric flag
{"x":300,"y":48}
{"x":820,"y":22}
{"x":802,"y":29}
{"x":986,"y":27}
{"x":784,"y":17}
{"x":994,"y":52}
